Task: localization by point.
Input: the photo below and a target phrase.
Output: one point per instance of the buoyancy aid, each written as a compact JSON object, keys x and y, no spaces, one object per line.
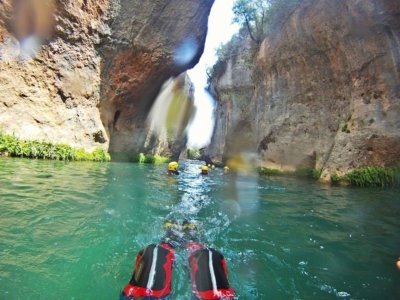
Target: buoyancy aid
{"x":151,"y":278}
{"x":209,"y":275}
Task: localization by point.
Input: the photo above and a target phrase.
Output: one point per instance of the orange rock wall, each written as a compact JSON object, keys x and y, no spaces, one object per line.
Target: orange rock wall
{"x":86,"y":72}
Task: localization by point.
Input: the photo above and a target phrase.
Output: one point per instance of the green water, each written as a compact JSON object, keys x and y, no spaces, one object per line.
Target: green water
{"x":72,"y":230}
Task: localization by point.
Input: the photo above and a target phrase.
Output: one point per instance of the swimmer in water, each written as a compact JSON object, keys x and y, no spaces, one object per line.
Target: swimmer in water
{"x":173,"y":168}
{"x":204,"y":170}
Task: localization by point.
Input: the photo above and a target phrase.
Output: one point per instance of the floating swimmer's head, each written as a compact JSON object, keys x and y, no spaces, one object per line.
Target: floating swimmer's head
{"x":173,"y":166}
{"x":204,"y":170}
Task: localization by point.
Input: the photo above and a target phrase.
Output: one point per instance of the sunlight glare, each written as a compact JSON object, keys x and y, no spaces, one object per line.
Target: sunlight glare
{"x":185,"y":52}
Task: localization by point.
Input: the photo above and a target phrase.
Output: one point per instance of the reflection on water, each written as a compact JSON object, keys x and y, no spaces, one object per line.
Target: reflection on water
{"x":72,"y":230}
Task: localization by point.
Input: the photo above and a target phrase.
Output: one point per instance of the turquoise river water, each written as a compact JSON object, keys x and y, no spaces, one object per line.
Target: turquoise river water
{"x":72,"y":231}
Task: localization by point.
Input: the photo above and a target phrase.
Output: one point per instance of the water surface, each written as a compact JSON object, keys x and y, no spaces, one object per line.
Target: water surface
{"x":72,"y":230}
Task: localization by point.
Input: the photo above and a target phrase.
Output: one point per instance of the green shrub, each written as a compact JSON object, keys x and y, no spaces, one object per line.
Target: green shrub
{"x":35,"y":149}
{"x":335,"y":178}
{"x":345,"y":128}
{"x":262,"y":16}
{"x":81,"y":155}
{"x":302,"y":172}
{"x":193,"y":154}
{"x":316,"y":174}
{"x":142,"y":158}
{"x":149,"y":159}
{"x":158,"y":159}
{"x":257,"y":19}
{"x":270,"y":172}
{"x":375,"y":177}
{"x":371,"y":177}
{"x":100,"y":155}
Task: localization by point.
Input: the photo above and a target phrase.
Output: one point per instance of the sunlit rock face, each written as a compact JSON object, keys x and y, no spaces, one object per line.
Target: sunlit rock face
{"x":86,"y":72}
{"x":50,"y":70}
{"x":326,"y":90}
{"x":151,"y":41}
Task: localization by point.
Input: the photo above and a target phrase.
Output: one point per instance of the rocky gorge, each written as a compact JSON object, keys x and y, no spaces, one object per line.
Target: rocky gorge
{"x":86,"y":72}
{"x":321,"y":91}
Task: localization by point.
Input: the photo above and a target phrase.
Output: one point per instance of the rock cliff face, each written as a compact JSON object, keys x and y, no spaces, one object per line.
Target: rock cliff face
{"x":234,"y":89}
{"x":88,"y":75}
{"x":51,"y":93}
{"x":325,"y":90}
{"x":145,"y":49}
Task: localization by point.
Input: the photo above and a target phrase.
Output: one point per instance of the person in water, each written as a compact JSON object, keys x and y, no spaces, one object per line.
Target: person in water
{"x":152,"y":275}
{"x":204,"y":170}
{"x":173,"y":168}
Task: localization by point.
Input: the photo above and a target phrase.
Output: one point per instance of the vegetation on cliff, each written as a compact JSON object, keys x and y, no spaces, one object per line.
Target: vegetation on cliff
{"x":194,"y":153}
{"x":364,"y":177}
{"x":13,"y":146}
{"x":261,"y":16}
{"x":142,"y":158}
{"x":301,"y":172}
{"x":301,"y":102}
{"x":257,"y":19}
{"x":370,"y":177}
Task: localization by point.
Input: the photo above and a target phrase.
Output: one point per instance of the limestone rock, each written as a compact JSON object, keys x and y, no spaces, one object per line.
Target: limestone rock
{"x":151,"y":42}
{"x":324,"y":90}
{"x":52,"y":92}
{"x":233,"y":88}
{"x":86,"y":72}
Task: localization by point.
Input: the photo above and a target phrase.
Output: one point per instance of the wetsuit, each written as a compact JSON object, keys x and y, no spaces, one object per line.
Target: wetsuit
{"x":151,"y":278}
{"x":209,"y":274}
{"x":173,"y":173}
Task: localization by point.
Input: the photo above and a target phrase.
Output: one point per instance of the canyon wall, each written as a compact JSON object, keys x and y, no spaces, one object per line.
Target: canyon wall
{"x":324,"y":91}
{"x":50,"y":72}
{"x":146,"y":49}
{"x":86,"y":72}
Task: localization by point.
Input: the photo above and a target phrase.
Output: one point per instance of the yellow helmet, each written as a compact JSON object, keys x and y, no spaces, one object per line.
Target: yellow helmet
{"x":173,"y":166}
{"x":204,"y":168}
{"x":168,"y":224}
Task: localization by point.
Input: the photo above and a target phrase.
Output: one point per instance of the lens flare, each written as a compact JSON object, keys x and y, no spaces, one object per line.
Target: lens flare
{"x":173,"y":108}
{"x":241,"y":162}
{"x":29,"y":47}
{"x":185,"y":52}
{"x":32,"y":22}
{"x":33,"y":18}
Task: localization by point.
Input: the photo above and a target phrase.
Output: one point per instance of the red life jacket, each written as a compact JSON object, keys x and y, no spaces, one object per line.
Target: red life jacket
{"x":209,"y":275}
{"x":152,"y":274}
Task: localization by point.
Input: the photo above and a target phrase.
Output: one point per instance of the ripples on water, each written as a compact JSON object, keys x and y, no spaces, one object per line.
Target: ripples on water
{"x":72,"y":230}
